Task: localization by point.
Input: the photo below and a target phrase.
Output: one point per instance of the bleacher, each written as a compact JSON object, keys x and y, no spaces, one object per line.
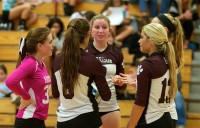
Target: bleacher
{"x":9,"y":41}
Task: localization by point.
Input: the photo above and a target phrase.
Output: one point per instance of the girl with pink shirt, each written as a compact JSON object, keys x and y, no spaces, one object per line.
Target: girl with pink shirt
{"x":30,"y":79}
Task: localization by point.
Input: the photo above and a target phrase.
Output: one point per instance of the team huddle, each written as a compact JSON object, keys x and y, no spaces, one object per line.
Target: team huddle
{"x":87,"y":63}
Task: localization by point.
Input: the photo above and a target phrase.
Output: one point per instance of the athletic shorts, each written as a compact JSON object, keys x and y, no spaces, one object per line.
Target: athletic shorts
{"x":86,"y":120}
{"x":29,"y":123}
{"x":174,"y":123}
{"x":164,"y":122}
{"x":104,"y":113}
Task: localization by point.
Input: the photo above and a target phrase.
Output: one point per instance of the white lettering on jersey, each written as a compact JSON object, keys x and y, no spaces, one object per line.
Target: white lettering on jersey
{"x":139,"y":70}
{"x":104,"y":60}
{"x":47,"y":79}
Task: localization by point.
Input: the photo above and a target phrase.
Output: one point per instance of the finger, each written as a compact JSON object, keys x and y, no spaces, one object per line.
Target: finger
{"x":33,"y":103}
{"x":123,"y":75}
{"x":22,"y":106}
{"x":132,"y":83}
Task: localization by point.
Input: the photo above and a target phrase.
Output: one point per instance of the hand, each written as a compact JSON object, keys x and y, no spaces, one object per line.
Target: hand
{"x":129,"y":78}
{"x":25,"y":103}
{"x":108,"y":12}
{"x":117,"y":80}
{"x":53,"y":32}
{"x":188,"y":15}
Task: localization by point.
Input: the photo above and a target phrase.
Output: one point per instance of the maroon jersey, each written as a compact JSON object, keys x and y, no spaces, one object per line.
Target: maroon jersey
{"x":83,"y":100}
{"x":112,"y":59}
{"x":153,"y":87}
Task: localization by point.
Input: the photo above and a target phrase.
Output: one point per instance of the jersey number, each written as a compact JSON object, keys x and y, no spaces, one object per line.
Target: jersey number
{"x":164,"y":98}
{"x":46,"y":101}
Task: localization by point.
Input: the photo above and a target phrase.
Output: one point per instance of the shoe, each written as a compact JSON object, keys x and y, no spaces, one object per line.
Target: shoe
{"x":180,"y":126}
{"x":21,"y":28}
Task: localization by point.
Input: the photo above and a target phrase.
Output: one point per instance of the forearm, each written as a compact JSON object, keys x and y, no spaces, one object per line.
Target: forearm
{"x":4,"y":92}
{"x":135,"y":116}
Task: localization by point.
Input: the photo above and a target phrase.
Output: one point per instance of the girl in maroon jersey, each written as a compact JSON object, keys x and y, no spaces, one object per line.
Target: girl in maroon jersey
{"x":111,"y":58}
{"x":73,"y":72}
{"x":156,"y":80}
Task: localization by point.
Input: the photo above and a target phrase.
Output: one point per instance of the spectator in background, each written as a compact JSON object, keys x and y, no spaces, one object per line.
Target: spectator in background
{"x":88,"y":15}
{"x":56,"y":27}
{"x":69,"y":6}
{"x":143,"y":6}
{"x":4,"y":90}
{"x":123,"y":30}
{"x":186,"y":11}
{"x":20,"y":9}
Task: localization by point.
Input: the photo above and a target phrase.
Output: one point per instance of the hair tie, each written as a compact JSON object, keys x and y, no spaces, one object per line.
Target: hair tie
{"x":71,"y":26}
{"x":21,"y":45}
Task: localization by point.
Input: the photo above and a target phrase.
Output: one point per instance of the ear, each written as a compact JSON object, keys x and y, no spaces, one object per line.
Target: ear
{"x":166,"y":29}
{"x":90,"y":31}
{"x":39,"y":45}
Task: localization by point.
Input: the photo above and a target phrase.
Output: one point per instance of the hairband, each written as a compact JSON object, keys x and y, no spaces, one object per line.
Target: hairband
{"x":21,"y":45}
{"x":166,"y":22}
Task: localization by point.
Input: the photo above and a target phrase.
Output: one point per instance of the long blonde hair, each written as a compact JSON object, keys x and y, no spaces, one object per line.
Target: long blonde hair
{"x":177,"y":38}
{"x":157,"y":33}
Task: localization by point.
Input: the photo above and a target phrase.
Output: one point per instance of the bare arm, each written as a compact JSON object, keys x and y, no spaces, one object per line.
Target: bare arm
{"x":135,"y":116}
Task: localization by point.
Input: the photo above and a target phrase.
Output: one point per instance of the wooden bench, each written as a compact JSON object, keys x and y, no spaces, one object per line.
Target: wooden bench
{"x":128,"y":58}
{"x":43,"y":21}
{"x":193,"y":120}
{"x":7,"y":112}
{"x":9,"y":41}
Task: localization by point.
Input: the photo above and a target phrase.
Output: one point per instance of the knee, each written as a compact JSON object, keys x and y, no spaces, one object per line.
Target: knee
{"x":27,"y":6}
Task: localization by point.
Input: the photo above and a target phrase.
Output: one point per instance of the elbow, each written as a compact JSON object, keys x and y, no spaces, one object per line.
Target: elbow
{"x":9,"y":83}
{"x":107,"y":96}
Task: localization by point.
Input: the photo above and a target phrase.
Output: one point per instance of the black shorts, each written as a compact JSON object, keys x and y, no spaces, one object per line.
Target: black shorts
{"x":174,"y":123}
{"x":86,"y":120}
{"x":104,"y":113}
{"x":164,"y":122}
{"x":29,"y":123}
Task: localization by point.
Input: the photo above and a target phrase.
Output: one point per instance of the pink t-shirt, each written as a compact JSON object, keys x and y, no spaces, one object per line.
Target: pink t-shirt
{"x":31,"y":79}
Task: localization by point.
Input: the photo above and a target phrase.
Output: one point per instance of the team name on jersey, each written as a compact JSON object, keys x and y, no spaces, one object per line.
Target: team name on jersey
{"x":104,"y":60}
{"x":47,"y":79}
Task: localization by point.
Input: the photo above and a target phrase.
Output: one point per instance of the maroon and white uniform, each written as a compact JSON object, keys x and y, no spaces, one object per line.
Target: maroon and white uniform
{"x":112,"y":59}
{"x":83,"y":100}
{"x":153,"y":87}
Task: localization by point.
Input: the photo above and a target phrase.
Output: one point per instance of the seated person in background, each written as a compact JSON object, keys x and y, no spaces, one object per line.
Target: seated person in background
{"x":68,"y":6}
{"x":57,"y":29}
{"x":123,"y":30}
{"x":83,"y":14}
{"x":4,"y":90}
{"x":20,"y":9}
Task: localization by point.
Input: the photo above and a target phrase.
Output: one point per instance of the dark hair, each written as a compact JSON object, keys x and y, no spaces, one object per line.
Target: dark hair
{"x":89,"y":15}
{"x":56,"y":20}
{"x":3,"y":68}
{"x":76,"y":32}
{"x":35,"y":36}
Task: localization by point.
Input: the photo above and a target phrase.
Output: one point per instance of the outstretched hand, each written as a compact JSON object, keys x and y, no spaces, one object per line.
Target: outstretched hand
{"x":129,"y":79}
{"x":117,"y":80}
